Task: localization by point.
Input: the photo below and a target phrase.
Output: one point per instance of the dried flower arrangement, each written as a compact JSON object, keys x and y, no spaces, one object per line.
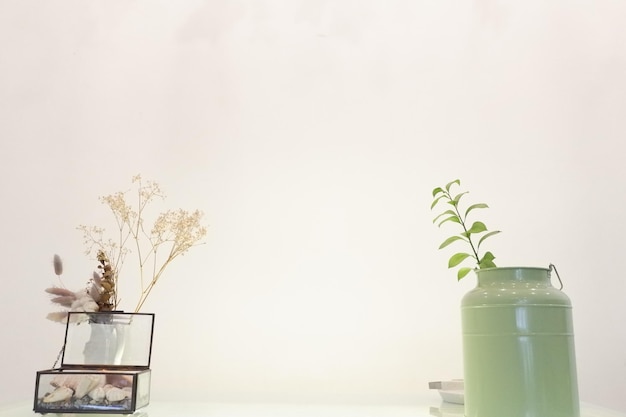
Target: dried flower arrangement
{"x":173,"y":233}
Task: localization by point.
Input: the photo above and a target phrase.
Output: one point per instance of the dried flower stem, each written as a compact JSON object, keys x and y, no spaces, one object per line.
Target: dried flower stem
{"x":107,"y":299}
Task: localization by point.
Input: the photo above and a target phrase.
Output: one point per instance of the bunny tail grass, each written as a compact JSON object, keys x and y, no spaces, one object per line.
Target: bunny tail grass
{"x":63,"y":292}
{"x":58,"y":265}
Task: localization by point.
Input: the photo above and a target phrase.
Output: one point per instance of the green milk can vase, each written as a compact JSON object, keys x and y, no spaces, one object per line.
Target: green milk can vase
{"x":518,"y":346}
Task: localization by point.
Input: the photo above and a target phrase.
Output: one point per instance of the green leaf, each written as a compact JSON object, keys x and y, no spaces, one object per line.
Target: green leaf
{"x":457,"y":258}
{"x":477,"y":227}
{"x":453,"y":219}
{"x":448,"y":185}
{"x":462,"y":272}
{"x":455,"y":200}
{"x":437,"y":191}
{"x":450,"y":240}
{"x":475,"y":206}
{"x":485,"y":236}
{"x":487,"y":261}
{"x":436,"y":201}
{"x":448,"y":212}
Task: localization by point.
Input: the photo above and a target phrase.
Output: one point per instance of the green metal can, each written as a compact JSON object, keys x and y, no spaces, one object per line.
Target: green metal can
{"x":518,"y":346}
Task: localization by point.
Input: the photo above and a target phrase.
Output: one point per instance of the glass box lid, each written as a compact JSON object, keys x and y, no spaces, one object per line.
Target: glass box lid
{"x":108,"y":339}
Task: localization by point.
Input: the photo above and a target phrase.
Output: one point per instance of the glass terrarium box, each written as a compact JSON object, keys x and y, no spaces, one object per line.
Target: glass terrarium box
{"x":105,"y":365}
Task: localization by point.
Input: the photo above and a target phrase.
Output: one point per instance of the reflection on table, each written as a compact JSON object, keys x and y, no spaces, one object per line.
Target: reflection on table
{"x":447,"y":410}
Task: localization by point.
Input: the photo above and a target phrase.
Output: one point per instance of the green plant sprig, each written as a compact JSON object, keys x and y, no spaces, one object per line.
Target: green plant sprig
{"x":476,"y":229}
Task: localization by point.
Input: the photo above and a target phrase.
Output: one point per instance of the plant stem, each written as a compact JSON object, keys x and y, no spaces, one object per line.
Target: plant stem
{"x":462,"y":221}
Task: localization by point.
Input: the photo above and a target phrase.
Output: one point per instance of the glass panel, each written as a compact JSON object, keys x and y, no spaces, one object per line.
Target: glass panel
{"x":108,"y":339}
{"x":143,"y":389}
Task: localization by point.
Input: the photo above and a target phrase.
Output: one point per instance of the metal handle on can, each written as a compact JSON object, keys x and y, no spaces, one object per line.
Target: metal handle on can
{"x":557,"y":275}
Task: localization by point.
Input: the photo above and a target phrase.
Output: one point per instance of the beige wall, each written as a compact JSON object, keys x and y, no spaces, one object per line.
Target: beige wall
{"x":311,"y":134}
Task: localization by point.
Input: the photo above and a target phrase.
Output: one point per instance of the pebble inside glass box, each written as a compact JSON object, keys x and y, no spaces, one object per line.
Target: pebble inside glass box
{"x":105,"y":365}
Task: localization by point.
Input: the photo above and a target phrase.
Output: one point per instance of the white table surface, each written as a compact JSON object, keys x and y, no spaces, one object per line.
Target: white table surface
{"x":427,"y":408}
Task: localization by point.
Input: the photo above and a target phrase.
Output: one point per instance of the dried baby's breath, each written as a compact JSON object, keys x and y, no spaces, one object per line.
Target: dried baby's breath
{"x":172,"y":234}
